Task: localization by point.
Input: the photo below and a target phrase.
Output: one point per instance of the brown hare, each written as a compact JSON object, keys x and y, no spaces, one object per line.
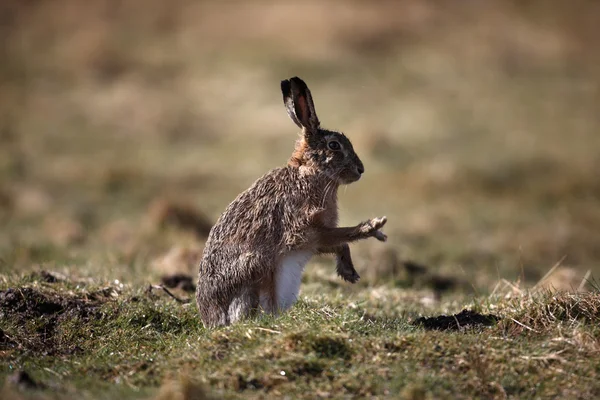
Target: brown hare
{"x":256,"y":252}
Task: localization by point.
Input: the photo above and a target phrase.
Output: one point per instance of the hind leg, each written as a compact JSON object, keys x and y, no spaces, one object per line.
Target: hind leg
{"x":213,"y":308}
{"x":244,"y":304}
{"x":213,"y":314}
{"x":267,"y":294}
{"x":225,"y":297}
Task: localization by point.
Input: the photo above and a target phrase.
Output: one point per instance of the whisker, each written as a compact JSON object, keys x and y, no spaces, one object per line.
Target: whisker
{"x":330,"y":186}
{"x":325,"y":194}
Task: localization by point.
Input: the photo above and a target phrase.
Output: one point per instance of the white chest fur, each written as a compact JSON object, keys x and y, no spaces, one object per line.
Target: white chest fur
{"x":289,"y":277}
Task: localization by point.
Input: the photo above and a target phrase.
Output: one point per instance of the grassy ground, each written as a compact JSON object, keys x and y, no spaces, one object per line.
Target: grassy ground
{"x":100,"y":341}
{"x":126,"y":129}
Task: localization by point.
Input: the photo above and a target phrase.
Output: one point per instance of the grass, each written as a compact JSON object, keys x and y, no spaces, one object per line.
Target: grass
{"x":126,"y":130}
{"x":100,"y":340}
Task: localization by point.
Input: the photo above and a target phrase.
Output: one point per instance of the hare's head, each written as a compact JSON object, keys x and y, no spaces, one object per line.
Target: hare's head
{"x":326,"y":151}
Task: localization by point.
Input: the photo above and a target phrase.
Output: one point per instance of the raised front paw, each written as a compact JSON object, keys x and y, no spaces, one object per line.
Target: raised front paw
{"x":347,"y":272}
{"x":372,"y":228}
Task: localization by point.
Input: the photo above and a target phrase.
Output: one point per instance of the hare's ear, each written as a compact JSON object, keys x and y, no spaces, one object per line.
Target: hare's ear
{"x":299,"y":104}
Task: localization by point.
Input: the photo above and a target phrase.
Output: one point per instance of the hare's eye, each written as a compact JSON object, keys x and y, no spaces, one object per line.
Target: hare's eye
{"x":333,"y":145}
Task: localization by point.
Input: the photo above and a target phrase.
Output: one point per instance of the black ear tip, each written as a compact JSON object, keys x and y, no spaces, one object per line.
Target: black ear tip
{"x":286,"y":88}
{"x":297,"y":82}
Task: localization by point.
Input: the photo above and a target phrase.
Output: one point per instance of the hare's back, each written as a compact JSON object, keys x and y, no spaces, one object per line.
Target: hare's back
{"x":260,"y":213}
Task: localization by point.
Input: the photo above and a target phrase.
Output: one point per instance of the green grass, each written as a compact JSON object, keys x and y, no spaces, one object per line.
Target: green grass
{"x":107,"y":339}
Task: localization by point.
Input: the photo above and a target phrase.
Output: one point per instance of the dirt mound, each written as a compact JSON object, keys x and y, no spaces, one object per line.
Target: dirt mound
{"x":180,"y":281}
{"x":463,"y":320}
{"x":29,"y":302}
{"x":33,"y":303}
{"x":46,"y":310}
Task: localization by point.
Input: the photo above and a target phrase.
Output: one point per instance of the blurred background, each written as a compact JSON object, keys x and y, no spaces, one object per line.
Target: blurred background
{"x":126,"y":127}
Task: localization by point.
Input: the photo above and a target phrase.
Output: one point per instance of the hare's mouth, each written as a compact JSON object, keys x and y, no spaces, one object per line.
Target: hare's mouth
{"x":350,"y":176}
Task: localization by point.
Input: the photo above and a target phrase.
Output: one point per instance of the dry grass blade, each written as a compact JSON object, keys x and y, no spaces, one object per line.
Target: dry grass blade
{"x":168,"y":292}
{"x":267,"y":330}
{"x":523,"y":325}
{"x":554,"y":267}
{"x":584,"y":281}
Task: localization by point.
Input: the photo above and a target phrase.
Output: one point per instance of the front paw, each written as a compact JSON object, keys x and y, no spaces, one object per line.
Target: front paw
{"x":372,"y":228}
{"x":382,"y":237}
{"x":349,"y":276}
{"x":347,"y":272}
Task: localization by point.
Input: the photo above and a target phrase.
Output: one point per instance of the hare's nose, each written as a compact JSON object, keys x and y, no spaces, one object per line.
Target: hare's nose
{"x":360,"y":169}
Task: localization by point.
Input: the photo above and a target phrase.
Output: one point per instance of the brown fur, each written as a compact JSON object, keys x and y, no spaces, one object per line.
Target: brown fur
{"x":298,"y":155}
{"x":289,"y":209}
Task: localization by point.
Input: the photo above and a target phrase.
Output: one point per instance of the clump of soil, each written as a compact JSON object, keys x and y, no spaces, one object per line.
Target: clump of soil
{"x":47,"y":276}
{"x":180,"y":281}
{"x":43,"y":312}
{"x":463,"y":320}
{"x":28,"y":302}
